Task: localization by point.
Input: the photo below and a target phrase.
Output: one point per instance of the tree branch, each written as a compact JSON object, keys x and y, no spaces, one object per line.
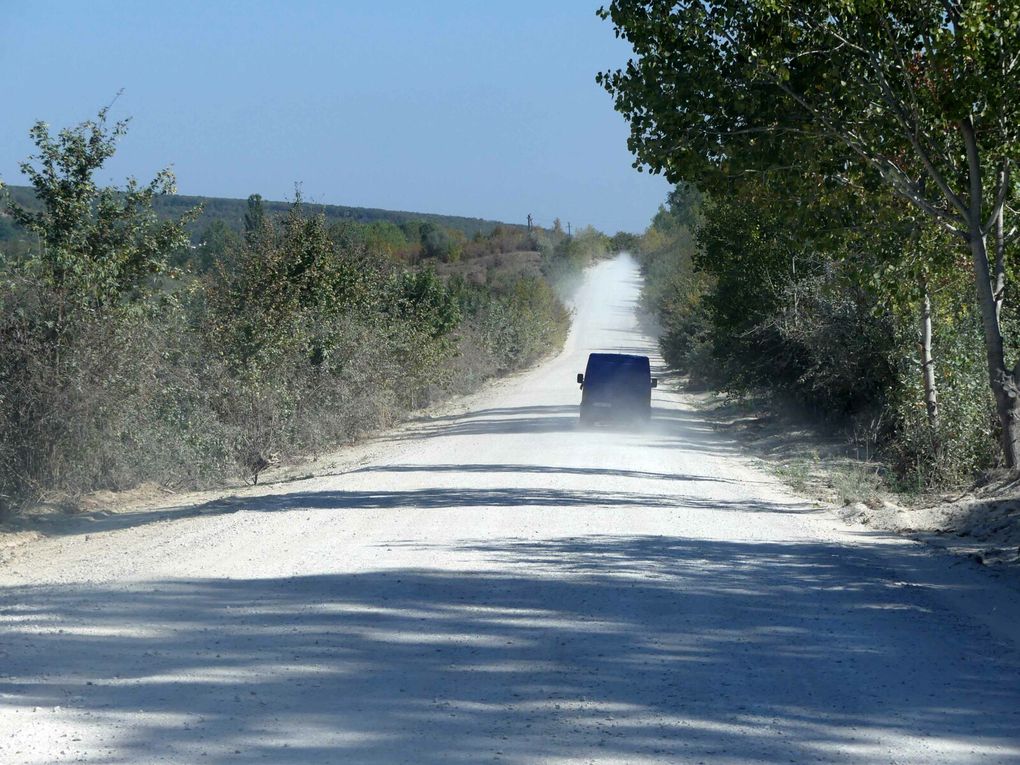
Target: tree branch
{"x":1002,"y":191}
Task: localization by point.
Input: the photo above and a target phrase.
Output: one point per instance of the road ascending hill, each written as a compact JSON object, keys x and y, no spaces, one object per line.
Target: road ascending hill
{"x":497,"y":585}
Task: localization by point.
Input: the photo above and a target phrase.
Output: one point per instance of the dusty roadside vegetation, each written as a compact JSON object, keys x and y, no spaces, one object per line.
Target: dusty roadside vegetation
{"x":132,"y":357}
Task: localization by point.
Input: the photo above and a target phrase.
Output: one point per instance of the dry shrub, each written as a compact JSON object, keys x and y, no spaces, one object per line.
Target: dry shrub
{"x":104,"y":399}
{"x":144,"y":392}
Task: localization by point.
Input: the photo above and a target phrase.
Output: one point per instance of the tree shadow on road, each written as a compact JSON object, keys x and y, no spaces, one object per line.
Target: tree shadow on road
{"x":437,"y":499}
{"x":650,"y":649}
{"x":597,"y":472}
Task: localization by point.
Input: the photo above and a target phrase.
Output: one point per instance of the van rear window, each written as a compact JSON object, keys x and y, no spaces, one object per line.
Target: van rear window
{"x":625,"y":370}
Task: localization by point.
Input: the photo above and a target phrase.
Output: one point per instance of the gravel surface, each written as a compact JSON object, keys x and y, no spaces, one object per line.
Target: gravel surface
{"x":495,"y":584}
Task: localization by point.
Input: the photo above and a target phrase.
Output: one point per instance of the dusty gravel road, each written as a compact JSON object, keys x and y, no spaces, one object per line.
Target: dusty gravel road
{"x":497,"y":585}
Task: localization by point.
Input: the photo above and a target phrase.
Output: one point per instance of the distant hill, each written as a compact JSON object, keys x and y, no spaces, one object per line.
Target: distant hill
{"x":231,"y":211}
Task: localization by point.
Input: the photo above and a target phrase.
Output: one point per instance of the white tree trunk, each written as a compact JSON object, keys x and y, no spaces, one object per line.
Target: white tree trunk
{"x":1003,"y":380}
{"x":931,"y":401}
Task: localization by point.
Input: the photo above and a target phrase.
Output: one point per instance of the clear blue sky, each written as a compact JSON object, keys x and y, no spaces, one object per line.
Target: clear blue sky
{"x":486,"y":109}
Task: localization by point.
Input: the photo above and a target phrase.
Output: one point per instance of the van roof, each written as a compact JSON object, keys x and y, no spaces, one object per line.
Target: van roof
{"x":617,"y":358}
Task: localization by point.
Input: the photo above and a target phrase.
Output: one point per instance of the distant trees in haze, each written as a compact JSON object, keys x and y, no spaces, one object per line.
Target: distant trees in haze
{"x":623,"y":241}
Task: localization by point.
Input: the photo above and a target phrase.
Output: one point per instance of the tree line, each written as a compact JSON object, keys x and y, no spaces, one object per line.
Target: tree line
{"x":844,"y":215}
{"x":231,"y":213}
{"x":130,"y":353}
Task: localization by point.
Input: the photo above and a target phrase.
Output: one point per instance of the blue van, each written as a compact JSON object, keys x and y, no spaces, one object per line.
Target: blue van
{"x":616,"y":386}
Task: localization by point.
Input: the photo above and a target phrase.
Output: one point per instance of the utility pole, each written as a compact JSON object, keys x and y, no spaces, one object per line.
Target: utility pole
{"x":568,"y":228}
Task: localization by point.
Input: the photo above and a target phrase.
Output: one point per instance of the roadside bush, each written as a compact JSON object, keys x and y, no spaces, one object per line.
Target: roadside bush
{"x":116,"y":398}
{"x":686,"y":343}
{"x":962,"y":442}
{"x":845,"y":348}
{"x":523,"y":323}
{"x":303,"y":407}
{"x":512,"y":326}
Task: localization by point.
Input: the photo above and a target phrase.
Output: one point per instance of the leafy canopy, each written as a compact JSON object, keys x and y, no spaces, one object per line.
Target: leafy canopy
{"x":886,"y":87}
{"x":97,"y":245}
